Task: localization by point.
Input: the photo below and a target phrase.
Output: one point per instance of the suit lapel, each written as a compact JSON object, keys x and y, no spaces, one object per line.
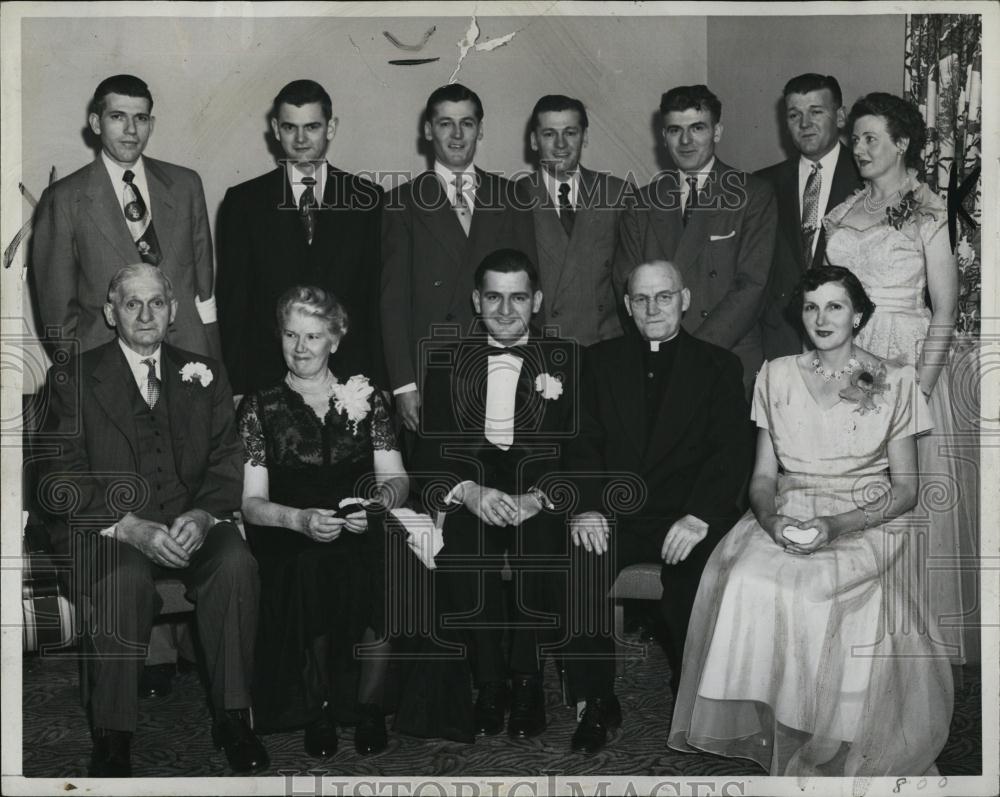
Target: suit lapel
{"x":788,"y":201}
{"x":437,"y":215}
{"x":161,"y":200}
{"x":179,"y":408}
{"x":680,"y":398}
{"x":695,"y":235}
{"x":665,"y":214}
{"x":106,"y":212}
{"x":550,"y":238}
{"x":114,"y":384}
{"x":627,"y":392}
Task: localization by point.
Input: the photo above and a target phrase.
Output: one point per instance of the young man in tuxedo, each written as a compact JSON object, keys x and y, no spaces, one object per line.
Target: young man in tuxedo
{"x":714,"y":223}
{"x":820,"y":176}
{"x":576,"y":214}
{"x":668,"y":409}
{"x":121,"y":208}
{"x":304,"y":223}
{"x":151,"y":457}
{"x":498,"y":407}
{"x":436,"y":229}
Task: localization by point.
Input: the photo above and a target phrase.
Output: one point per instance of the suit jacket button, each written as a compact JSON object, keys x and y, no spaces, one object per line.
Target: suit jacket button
{"x":555,"y":313}
{"x":704,"y":313}
{"x":713,"y":274}
{"x":449,"y":317}
{"x":600,"y":308}
{"x":438,"y":283}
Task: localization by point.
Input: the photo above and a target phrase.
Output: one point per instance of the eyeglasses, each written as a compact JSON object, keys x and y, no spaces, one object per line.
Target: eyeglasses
{"x":662,"y":299}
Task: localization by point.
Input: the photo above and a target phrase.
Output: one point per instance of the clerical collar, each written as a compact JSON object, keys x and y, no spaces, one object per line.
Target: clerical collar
{"x":656,"y":345}
{"x":491,"y":341}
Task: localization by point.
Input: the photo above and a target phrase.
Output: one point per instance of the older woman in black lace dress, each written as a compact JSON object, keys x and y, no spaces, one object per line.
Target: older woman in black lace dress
{"x":311,"y":441}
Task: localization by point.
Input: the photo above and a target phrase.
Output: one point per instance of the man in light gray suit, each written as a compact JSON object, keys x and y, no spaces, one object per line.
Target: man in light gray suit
{"x":119,"y":209}
{"x":576,"y":213}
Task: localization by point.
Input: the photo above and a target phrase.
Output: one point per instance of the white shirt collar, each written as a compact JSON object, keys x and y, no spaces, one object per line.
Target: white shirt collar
{"x":492,"y":341}
{"x":139,"y":371}
{"x":552,"y":186}
{"x":654,"y":345}
{"x":294,"y":175}
{"x":828,"y":162}
{"x":117,"y":175}
{"x":701,"y":175}
{"x":447,"y":177}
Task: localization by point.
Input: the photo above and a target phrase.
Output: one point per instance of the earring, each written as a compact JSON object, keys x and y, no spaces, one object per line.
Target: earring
{"x":857,"y":322}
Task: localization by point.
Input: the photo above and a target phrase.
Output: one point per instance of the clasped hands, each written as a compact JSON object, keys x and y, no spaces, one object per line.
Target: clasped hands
{"x":590,"y":529}
{"x":775,"y":526}
{"x":497,"y":508}
{"x":170,"y":546}
{"x":323,"y":525}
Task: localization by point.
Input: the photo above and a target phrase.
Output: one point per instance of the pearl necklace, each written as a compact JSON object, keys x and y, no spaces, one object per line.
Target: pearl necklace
{"x":877,"y":205}
{"x":829,"y":376}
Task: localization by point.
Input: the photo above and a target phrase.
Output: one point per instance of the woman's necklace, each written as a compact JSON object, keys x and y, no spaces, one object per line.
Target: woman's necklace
{"x":829,"y":376}
{"x":878,"y":205}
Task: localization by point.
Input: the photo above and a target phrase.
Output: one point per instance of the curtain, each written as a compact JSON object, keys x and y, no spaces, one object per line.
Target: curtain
{"x":943,"y":77}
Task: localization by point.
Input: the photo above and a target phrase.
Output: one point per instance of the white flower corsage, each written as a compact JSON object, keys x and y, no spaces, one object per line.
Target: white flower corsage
{"x":197,"y":372}
{"x":352,"y":398}
{"x":549,"y":386}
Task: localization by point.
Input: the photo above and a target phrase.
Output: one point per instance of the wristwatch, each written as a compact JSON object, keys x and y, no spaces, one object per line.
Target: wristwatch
{"x":541,"y":497}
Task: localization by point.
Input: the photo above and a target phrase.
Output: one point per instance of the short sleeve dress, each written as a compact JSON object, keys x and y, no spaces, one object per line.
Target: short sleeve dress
{"x":820,"y":664}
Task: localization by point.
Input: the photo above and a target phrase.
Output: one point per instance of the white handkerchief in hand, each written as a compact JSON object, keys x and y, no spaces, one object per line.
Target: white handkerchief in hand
{"x":424,"y":538}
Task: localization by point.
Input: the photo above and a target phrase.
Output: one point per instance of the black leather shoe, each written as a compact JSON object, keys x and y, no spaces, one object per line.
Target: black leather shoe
{"x":112,"y":754}
{"x":156,"y":680}
{"x":232,"y":734}
{"x":369,"y":735}
{"x":527,"y":707}
{"x":600,"y":715}
{"x":321,"y":737}
{"x":491,"y":703}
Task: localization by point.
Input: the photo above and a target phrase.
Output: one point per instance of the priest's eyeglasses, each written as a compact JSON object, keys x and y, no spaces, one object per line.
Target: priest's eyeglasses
{"x":662,"y":299}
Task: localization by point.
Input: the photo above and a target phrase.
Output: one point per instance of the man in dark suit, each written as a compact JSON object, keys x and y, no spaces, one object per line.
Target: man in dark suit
{"x":153,"y":465}
{"x":807,"y":186}
{"x":497,"y":408}
{"x":304,"y":223}
{"x":714,"y":223}
{"x":436,"y":229}
{"x":670,"y":409}
{"x":119,"y":209}
{"x":576,"y":214}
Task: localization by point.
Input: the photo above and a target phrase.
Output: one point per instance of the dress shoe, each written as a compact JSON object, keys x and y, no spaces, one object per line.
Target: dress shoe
{"x":321,"y":736}
{"x":156,"y":680}
{"x":232,"y":733}
{"x":112,"y":755}
{"x":491,"y":703}
{"x":527,"y":707}
{"x":600,"y":715}
{"x":369,"y":735}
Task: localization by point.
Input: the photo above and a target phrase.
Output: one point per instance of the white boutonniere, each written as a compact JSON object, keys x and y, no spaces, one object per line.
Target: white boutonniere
{"x":549,"y":386}
{"x":197,"y":372}
{"x":352,"y":398}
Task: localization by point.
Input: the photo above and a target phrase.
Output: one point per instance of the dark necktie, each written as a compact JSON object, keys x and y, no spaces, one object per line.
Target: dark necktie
{"x":567,"y":215}
{"x":692,"y":199}
{"x":152,"y":383}
{"x":810,"y":211}
{"x":461,"y":204}
{"x":140,"y":224}
{"x":307,"y":208}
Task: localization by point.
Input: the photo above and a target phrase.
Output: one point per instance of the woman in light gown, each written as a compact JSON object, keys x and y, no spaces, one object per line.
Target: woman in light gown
{"x":893,"y":235}
{"x":809,"y":656}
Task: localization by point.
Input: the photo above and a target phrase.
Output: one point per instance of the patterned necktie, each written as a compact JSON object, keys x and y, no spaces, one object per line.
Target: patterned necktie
{"x":567,"y":214}
{"x":692,"y":199}
{"x":152,"y":383}
{"x":462,"y":204}
{"x":810,"y":211}
{"x":307,"y":208}
{"x":139,"y":222}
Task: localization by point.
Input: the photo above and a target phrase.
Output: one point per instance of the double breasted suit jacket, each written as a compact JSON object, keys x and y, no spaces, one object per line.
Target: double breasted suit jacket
{"x":428,"y":263}
{"x":778,"y":324}
{"x":263,"y":251}
{"x":91,"y":418}
{"x":452,"y":441}
{"x":724,"y":253}
{"x":80,"y":239}
{"x":576,"y":270}
{"x":696,"y":457}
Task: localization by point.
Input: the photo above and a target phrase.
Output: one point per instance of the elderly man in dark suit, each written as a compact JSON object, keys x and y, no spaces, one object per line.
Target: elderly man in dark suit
{"x":809,"y":185}
{"x":151,"y":458}
{"x":714,"y":223}
{"x":436,"y":229}
{"x":304,"y":223}
{"x":670,"y":409}
{"x":119,"y":209}
{"x":576,"y":213}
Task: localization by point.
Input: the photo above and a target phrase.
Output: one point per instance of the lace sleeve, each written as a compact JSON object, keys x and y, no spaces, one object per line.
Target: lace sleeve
{"x":252,"y":432}
{"x":383,"y":437}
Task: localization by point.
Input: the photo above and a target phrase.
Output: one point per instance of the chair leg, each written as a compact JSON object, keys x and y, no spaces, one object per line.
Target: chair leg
{"x":619,"y":635}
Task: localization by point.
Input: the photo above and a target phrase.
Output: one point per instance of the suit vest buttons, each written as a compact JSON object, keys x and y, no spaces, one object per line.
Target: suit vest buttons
{"x":713,"y":274}
{"x":704,"y":313}
{"x":438,"y":283}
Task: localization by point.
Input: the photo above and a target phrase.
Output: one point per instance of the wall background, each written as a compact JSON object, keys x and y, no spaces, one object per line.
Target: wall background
{"x":213,"y":79}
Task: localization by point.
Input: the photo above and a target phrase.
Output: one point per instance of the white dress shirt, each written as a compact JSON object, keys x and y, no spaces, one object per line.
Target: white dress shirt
{"x":139,"y":371}
{"x":552,"y":186}
{"x":701,"y":177}
{"x":295,"y":173}
{"x":829,"y":166}
{"x":447,"y":178}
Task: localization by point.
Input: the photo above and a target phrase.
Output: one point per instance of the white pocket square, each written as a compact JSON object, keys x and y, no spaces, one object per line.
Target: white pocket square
{"x":730,"y":234}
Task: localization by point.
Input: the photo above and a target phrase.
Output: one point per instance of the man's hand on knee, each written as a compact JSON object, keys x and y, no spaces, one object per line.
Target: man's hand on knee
{"x":684,"y":534}
{"x":189,"y":529}
{"x":591,"y":530}
{"x":153,"y":540}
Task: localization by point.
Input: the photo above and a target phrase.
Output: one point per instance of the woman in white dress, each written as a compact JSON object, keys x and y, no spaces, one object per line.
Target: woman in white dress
{"x":806,"y":652}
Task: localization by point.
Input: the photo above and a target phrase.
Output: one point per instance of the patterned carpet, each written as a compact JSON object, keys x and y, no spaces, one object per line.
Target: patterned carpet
{"x":174,"y":735}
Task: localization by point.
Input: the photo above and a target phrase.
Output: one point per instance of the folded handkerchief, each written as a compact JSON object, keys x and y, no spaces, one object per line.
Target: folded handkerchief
{"x":424,"y":538}
{"x":726,"y":237}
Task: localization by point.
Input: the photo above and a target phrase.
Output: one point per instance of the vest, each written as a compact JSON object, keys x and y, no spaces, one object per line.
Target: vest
{"x":168,"y":497}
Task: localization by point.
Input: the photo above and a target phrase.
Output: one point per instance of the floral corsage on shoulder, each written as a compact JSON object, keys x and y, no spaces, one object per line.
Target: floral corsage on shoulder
{"x":197,"y":372}
{"x":867,"y":384}
{"x":353,"y":399}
